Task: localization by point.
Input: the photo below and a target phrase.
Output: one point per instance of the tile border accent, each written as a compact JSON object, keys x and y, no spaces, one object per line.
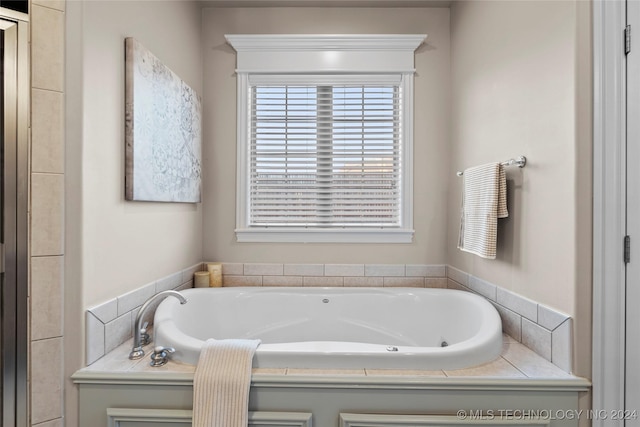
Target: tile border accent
{"x":543,"y":329}
{"x":341,"y":275}
{"x":110,"y":324}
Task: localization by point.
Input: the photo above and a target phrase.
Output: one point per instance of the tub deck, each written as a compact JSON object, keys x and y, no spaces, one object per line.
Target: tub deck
{"x":530,"y":390}
{"x":516,"y":361}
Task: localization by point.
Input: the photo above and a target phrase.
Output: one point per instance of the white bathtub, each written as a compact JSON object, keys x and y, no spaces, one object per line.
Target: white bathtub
{"x":399,"y":328}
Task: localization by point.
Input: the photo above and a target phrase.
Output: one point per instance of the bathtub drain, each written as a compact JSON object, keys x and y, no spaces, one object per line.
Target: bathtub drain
{"x":392,"y":348}
{"x":444,"y":344}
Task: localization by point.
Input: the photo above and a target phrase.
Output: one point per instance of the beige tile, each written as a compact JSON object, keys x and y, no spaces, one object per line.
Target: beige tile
{"x":296,"y":371}
{"x":344,"y":270}
{"x":47,"y":131}
{"x":187,"y":285}
{"x":117,"y":331}
{"x":118,"y":360}
{"x":364,"y":281}
{"x":53,"y":4}
{"x":383,"y":270}
{"x":187,"y":273}
{"x":47,"y":48}
{"x":242,"y":281}
{"x":304,"y":269}
{"x":107,"y":311}
{"x":46,"y":297}
{"x":47,"y":214}
{"x":458,"y":275}
{"x":452,"y":284}
{"x":169,"y":282}
{"x":403,"y":372}
{"x":232,"y":268}
{"x":484,"y":288}
{"x":282,"y":281}
{"x":506,"y":338}
{"x":412,"y":282}
{"x":261,"y":269}
{"x":268,"y":371}
{"x":323,"y":281}
{"x":533,"y":365}
{"x":52,"y":423}
{"x":135,"y":298}
{"x":46,"y":380}
{"x":536,"y":338}
{"x":426,"y":270}
{"x":435,"y":282}
{"x":497,"y":368}
{"x":518,"y":304}
{"x":549,"y":318}
{"x":94,"y":338}
{"x":561,"y":346}
{"x":511,"y":322}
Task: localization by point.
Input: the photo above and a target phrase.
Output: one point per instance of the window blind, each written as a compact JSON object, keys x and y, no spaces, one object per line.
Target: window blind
{"x":325,"y":156}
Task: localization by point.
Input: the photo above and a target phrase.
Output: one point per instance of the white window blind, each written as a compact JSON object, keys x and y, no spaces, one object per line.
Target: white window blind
{"x":325,"y":156}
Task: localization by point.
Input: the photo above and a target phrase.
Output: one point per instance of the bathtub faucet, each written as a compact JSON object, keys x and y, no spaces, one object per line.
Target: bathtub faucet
{"x":137,"y":351}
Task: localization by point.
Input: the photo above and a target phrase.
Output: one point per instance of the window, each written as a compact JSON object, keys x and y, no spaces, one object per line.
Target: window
{"x":323,"y":156}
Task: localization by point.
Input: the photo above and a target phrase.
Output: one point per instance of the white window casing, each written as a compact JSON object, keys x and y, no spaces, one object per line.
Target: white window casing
{"x":373,"y":74}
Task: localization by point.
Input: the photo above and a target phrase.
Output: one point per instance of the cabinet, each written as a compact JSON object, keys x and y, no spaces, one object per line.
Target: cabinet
{"x":143,"y":399}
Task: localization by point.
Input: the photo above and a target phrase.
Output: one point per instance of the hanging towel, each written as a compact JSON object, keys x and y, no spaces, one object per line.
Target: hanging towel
{"x":484,"y":200}
{"x":221,"y":383}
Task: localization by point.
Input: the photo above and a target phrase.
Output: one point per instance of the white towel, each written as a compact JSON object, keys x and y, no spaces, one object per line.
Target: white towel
{"x":221,"y":383}
{"x":484,"y":200}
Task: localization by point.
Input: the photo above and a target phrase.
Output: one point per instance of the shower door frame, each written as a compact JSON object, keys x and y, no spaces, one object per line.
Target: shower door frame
{"x":14,"y":255}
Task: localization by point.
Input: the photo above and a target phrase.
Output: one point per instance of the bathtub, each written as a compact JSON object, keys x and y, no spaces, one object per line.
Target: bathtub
{"x":336,"y":328}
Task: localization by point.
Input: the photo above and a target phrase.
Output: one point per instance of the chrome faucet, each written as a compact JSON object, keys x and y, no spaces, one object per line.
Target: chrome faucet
{"x":137,"y":351}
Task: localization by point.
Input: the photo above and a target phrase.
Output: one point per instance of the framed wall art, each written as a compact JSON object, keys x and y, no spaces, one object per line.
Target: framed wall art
{"x":163,"y":132}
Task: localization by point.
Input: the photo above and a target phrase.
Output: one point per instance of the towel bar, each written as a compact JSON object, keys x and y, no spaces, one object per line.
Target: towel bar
{"x":520,"y":161}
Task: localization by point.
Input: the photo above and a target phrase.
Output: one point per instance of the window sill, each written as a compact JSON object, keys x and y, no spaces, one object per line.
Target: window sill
{"x":283,"y":235}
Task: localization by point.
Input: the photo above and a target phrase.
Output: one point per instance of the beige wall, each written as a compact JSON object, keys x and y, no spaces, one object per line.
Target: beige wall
{"x":513,"y":93}
{"x":128,"y":244}
{"x":113,"y":246}
{"x":521,"y":85}
{"x":431,"y":130}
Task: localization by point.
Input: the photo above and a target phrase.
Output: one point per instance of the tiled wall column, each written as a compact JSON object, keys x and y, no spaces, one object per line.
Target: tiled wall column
{"x":47,"y":211}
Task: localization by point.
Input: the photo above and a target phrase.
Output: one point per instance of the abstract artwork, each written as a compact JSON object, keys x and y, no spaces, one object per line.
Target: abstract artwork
{"x":163,"y":134}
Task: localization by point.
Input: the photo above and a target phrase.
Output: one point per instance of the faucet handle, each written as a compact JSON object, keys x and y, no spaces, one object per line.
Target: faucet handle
{"x":160,"y":355}
{"x":145,"y":338}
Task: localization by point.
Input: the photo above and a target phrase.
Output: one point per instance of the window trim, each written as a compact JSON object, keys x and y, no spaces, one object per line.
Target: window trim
{"x":264,"y":57}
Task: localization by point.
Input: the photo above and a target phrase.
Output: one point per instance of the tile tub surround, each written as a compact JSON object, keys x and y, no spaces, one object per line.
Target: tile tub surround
{"x":543,"y":329}
{"x":110,"y":324}
{"x":371,"y":275}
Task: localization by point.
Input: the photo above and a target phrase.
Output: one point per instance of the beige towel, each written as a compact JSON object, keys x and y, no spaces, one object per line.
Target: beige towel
{"x":221,"y":383}
{"x":484,"y":200}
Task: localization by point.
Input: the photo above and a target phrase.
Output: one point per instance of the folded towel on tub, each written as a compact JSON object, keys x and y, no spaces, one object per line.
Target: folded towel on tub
{"x":221,"y":383}
{"x":484,"y":200}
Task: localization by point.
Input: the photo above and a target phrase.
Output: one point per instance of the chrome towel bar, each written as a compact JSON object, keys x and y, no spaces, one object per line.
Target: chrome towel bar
{"x":520,"y":161}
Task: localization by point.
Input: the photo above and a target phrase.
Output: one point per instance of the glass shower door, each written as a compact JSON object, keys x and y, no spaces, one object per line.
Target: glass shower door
{"x":13,"y":218}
